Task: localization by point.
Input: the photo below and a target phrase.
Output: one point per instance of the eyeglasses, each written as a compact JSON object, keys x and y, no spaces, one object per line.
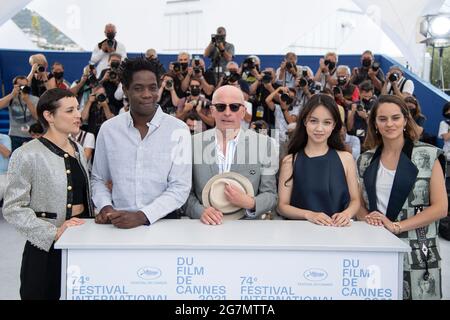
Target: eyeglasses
{"x":234,"y":107}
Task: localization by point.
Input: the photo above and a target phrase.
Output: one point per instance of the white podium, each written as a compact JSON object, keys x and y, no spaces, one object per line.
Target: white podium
{"x":239,"y":260}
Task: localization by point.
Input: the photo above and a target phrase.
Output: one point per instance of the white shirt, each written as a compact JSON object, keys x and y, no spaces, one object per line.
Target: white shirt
{"x":100,"y":58}
{"x":407,"y":88}
{"x":224,"y":162}
{"x":249,"y":110}
{"x":152,"y":175}
{"x":280,"y":121}
{"x":385,"y":180}
{"x":444,"y":128}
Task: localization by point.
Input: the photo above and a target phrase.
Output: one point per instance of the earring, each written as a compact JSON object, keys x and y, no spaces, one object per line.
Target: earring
{"x":404,"y":129}
{"x":376,"y":130}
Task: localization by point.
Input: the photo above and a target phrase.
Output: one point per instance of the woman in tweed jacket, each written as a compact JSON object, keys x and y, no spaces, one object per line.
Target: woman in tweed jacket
{"x":47,"y":192}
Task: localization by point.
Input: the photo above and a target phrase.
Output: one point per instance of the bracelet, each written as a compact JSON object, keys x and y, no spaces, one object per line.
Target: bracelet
{"x":397,"y":227}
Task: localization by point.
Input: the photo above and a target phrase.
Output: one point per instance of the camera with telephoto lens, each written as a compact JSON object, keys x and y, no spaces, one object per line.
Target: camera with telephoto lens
{"x":376,"y":66}
{"x":25,"y":89}
{"x":101,"y":97}
{"x":393,"y":77}
{"x":217,"y":38}
{"x":289,"y":65}
{"x":359,"y":107}
{"x":267,"y":77}
{"x":40,"y":68}
{"x":231,"y":77}
{"x":206,"y":104}
{"x":169,"y":84}
{"x":197,"y":61}
{"x":197,"y":70}
{"x":249,"y":63}
{"x":176,"y":66}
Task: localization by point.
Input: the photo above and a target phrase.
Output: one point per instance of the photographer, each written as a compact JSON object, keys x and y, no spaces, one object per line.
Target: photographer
{"x":96,"y":111}
{"x":326,"y":74}
{"x":197,"y":71}
{"x":151,"y":56}
{"x":56,"y":78}
{"x":397,"y":84}
{"x":286,"y":112}
{"x":38,"y":76}
{"x":102,"y":51}
{"x":233,"y":77}
{"x":168,"y":99}
{"x":345,"y":93}
{"x":219,"y":51}
{"x":195,"y":104}
{"x":260,"y":126}
{"x":110,"y":80}
{"x":22,"y":111}
{"x":288,"y":72}
{"x":306,"y":87}
{"x":260,"y":90}
{"x":251,"y":69}
{"x":369,"y":70}
{"x":82,"y":88}
{"x":179,"y":69}
{"x":359,"y":112}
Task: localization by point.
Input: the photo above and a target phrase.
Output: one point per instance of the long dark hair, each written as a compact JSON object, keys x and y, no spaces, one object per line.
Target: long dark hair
{"x":300,"y":136}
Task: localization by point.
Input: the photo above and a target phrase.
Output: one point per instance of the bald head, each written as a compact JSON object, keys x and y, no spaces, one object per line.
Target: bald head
{"x":228,"y":93}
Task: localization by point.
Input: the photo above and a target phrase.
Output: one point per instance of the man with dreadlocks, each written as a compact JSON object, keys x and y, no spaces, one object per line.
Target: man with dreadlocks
{"x":144,"y":153}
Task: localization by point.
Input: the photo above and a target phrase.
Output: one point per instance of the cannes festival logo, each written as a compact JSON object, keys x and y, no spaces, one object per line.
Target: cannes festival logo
{"x":315,"y":275}
{"x":149,"y":273}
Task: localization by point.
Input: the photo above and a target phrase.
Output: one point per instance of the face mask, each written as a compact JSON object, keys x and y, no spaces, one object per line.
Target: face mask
{"x":195,"y":91}
{"x":367,"y":63}
{"x":447,"y":116}
{"x":342,"y":81}
{"x":111,"y":35}
{"x":58,"y":75}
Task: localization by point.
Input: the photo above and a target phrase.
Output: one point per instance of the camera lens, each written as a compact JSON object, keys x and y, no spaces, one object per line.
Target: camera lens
{"x":101,"y":97}
{"x":393,"y":77}
{"x":41,"y":69}
{"x":303,"y":83}
{"x":25,"y":89}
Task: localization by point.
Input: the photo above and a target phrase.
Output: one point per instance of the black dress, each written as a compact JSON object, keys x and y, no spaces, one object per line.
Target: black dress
{"x":320,"y":184}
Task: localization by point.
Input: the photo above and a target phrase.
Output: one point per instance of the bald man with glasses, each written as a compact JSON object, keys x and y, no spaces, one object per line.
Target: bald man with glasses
{"x":229,"y":148}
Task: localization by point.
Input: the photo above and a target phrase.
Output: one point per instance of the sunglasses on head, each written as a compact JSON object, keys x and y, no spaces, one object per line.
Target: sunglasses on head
{"x":234,"y":107}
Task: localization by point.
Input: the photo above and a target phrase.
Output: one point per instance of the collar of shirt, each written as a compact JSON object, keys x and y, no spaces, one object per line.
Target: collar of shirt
{"x":224,"y":162}
{"x":154,"y":124}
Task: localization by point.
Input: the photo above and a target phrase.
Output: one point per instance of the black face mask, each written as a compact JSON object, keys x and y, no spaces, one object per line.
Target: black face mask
{"x":366,"y":63}
{"x":342,"y":81}
{"x":195,"y":91}
{"x":447,"y":116}
{"x":58,"y":75}
{"x":111,"y":35}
